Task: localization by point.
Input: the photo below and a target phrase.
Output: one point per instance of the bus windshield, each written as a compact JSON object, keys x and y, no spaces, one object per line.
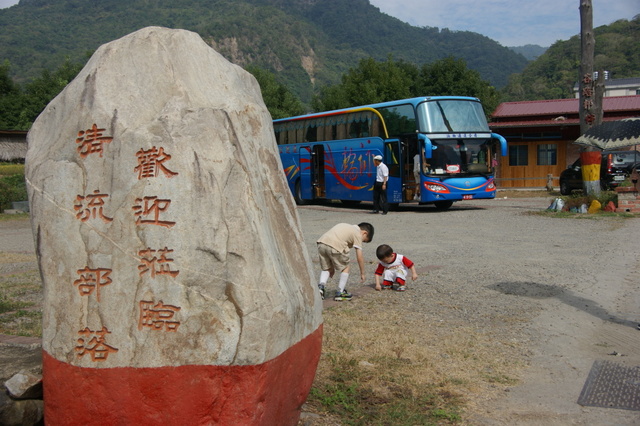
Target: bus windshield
{"x":445,"y":116}
{"x":455,"y":156}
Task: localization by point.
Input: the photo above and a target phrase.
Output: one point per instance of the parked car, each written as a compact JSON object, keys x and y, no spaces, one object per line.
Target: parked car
{"x":615,"y":168}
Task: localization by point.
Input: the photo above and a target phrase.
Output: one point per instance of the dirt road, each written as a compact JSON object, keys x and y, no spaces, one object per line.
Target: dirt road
{"x":566,"y":291}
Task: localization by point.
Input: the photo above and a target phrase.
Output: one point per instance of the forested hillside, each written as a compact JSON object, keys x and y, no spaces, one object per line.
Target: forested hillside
{"x":529,"y":51}
{"x":307,"y":43}
{"x":553,"y":74}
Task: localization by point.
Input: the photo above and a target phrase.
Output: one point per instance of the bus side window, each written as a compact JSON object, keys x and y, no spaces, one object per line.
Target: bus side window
{"x":392,"y":156}
{"x":358,"y":129}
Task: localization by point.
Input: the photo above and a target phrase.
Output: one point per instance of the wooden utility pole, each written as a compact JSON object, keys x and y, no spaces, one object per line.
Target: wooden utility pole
{"x":588,"y":111}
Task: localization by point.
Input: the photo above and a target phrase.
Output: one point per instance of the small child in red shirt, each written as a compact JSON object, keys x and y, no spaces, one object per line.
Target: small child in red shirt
{"x":393,"y":267}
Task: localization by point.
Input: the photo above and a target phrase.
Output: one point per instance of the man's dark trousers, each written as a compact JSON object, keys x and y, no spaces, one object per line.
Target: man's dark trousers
{"x":380,"y":198}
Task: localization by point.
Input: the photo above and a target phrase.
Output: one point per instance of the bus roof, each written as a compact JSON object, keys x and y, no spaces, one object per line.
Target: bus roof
{"x":412,"y":101}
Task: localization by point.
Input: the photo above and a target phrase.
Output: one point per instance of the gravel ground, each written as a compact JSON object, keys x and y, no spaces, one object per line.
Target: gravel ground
{"x":561,"y":293}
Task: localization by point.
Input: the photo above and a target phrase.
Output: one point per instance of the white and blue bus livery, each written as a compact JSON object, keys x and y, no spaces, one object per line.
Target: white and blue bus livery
{"x":329,"y":155}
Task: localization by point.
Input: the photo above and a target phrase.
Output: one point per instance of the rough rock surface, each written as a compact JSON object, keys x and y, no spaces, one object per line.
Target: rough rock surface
{"x":165,"y":232}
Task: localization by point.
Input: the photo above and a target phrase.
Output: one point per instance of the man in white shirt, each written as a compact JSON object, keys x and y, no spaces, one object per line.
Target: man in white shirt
{"x":380,"y":186}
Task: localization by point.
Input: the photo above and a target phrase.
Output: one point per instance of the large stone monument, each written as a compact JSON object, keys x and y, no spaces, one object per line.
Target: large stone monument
{"x":177,"y":286}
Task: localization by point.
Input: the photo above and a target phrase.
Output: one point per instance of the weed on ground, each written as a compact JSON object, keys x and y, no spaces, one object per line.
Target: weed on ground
{"x":373,"y":372}
{"x":20,"y":295}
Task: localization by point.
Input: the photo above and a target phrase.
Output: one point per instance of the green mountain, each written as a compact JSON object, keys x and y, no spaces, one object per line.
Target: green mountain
{"x":306,"y":43}
{"x":554,"y":74}
{"x":529,"y":51}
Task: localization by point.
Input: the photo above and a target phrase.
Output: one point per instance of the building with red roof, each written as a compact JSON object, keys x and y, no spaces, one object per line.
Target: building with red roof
{"x":540,"y":136}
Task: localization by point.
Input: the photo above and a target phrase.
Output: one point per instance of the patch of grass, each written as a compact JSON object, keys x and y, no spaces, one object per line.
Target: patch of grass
{"x":8,"y":169}
{"x":348,"y":394}
{"x":21,"y":297}
{"x":372,"y":372}
{"x":500,"y":378}
{"x":18,"y":216}
{"x":21,"y":323}
{"x":595,"y":216}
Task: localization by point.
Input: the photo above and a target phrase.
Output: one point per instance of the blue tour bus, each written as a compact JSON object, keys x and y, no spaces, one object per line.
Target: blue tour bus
{"x":329,"y":155}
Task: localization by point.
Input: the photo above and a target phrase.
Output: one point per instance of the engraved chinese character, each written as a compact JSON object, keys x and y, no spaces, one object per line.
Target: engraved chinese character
{"x":156,"y":265}
{"x":587,"y":92}
{"x":94,"y":205}
{"x":151,"y":162}
{"x":151,"y":206}
{"x":586,"y":79}
{"x":92,"y":279}
{"x":587,"y":104}
{"x":94,"y":343}
{"x":158,"y":316}
{"x":91,"y":141}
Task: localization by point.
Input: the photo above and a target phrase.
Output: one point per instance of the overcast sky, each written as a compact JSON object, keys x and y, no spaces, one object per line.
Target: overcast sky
{"x":509,"y":22}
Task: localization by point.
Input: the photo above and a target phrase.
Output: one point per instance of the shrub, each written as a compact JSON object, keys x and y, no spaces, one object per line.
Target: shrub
{"x":12,"y":188}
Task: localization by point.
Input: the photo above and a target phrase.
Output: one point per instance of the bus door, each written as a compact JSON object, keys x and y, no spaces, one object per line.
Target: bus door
{"x":304,"y":186}
{"x":317,"y":167}
{"x":395,"y":163}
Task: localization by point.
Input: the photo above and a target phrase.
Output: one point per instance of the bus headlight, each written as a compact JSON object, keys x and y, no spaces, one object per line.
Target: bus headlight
{"x":490,"y":187}
{"x":436,"y":187}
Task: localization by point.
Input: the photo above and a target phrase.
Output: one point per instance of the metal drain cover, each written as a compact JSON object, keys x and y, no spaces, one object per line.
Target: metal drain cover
{"x":612,"y":385}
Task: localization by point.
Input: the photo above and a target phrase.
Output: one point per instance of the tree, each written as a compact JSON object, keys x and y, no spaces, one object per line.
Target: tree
{"x":589,"y":106}
{"x":279,"y":100}
{"x":43,"y":89}
{"x":10,"y":99}
{"x":370,"y":82}
{"x":451,"y":77}
{"x":373,"y":82}
{"x":21,"y":106}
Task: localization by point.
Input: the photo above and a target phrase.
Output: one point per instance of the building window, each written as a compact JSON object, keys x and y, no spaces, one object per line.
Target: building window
{"x":547,"y":154}
{"x":518,"y":155}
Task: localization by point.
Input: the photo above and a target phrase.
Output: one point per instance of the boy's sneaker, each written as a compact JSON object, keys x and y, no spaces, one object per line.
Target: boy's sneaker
{"x":402,"y":288}
{"x":387,"y":287}
{"x":342,"y":296}
{"x":321,"y":288}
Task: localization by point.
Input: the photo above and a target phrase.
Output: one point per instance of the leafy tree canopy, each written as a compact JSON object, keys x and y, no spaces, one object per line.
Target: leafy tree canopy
{"x":373,"y":81}
{"x":554,"y":74}
{"x":20,"y":106}
{"x":279,"y":100}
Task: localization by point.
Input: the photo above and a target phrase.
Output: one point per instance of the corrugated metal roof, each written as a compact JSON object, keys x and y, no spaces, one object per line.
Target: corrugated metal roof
{"x":550,"y":122}
{"x":560,"y":107}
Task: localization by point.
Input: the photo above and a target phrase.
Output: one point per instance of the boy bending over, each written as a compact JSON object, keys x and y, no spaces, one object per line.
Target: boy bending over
{"x":333,"y":249}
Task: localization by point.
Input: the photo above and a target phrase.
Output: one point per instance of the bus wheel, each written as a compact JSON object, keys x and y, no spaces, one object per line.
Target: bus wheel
{"x":443,"y":205}
{"x":297,"y":196}
{"x":350,"y":202}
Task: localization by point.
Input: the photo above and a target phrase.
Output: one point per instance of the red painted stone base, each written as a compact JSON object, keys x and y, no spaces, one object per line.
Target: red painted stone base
{"x":267,"y":394}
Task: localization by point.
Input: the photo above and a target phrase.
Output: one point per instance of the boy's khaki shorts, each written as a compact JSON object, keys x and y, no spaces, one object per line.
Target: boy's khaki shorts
{"x":331,"y":258}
